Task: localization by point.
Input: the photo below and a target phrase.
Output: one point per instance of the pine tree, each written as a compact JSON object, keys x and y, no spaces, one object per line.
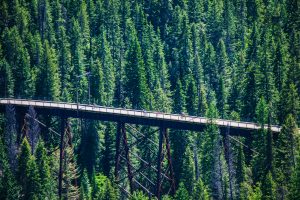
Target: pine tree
{"x":264,"y":77}
{"x":6,"y":77}
{"x":42,"y":161}
{"x":89,"y":146}
{"x":32,"y":184}
{"x":18,"y":57}
{"x":27,"y":174}
{"x":84,"y":27}
{"x":9,"y":189}
{"x":85,"y":188}
{"x":23,"y":159}
{"x":108,"y":152}
{"x":181,"y":193}
{"x":229,"y":26}
{"x":49,"y":75}
{"x":240,"y":168}
{"x":104,"y":53}
{"x":195,"y":11}
{"x":223,"y":77}
{"x":295,"y":183}
{"x":286,"y":148}
{"x":256,"y":194}
{"x":280,"y":63}
{"x":259,"y":161}
{"x":210,"y":67}
{"x":249,"y":97}
{"x":138,"y":195}
{"x":177,"y":138}
{"x":289,"y":103}
{"x":208,"y":140}
{"x":188,"y":175}
{"x":97,"y":83}
{"x":200,"y":191}
{"x":45,"y":21}
{"x":70,"y":175}
{"x":78,"y":61}
{"x":64,"y":64}
{"x":179,"y":99}
{"x":268,"y":187}
{"x":162,"y":87}
{"x":191,"y":99}
{"x":214,"y":15}
{"x":135,"y":85}
{"x":104,"y":189}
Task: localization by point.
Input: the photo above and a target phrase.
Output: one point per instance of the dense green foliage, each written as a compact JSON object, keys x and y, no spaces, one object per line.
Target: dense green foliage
{"x":232,"y":59}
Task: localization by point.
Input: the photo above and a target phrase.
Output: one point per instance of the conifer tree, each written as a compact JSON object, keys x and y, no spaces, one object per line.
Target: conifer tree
{"x":210,"y":67}
{"x":85,"y":188}
{"x":47,"y":189}
{"x":240,"y":168}
{"x":49,"y":75}
{"x":89,"y":147}
{"x":18,"y":57}
{"x":64,"y":63}
{"x":70,"y":175}
{"x":138,"y":195}
{"x":286,"y":148}
{"x":78,"y":61}
{"x":23,"y":159}
{"x":264,"y":75}
{"x":137,"y":90}
{"x":214,"y":15}
{"x":223,"y":77}
{"x":84,"y":27}
{"x":195,"y":11}
{"x":289,"y":103}
{"x":268,"y":187}
{"x":188,"y":175}
{"x":33,"y":183}
{"x":9,"y":189}
{"x":104,"y":188}
{"x":249,"y":98}
{"x":177,"y":138}
{"x":259,"y":142}
{"x":191,"y":98}
{"x":295,"y":183}
{"x":45,"y":21}
{"x":108,"y":152}
{"x":185,"y":51}
{"x":200,"y":191}
{"x":181,"y":193}
{"x":6,"y":77}
{"x":104,"y":53}
{"x":97,"y":83}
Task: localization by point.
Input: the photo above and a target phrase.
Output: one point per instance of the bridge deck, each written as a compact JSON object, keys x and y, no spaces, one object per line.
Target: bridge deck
{"x":131,"y":116}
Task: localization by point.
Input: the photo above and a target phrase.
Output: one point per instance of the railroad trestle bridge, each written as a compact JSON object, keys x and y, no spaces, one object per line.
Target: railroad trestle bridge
{"x":161,"y":165}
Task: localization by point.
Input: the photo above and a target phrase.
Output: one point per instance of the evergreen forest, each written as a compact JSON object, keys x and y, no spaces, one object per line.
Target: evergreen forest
{"x":220,"y":59}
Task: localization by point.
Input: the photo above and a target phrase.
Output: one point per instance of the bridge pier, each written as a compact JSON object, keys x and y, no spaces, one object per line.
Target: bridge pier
{"x":133,"y":173}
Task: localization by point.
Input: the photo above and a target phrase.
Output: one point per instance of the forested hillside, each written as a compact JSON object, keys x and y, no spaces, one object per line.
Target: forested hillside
{"x":230,"y":59}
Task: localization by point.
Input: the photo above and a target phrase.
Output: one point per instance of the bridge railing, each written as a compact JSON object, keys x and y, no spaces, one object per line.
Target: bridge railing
{"x":140,"y":113}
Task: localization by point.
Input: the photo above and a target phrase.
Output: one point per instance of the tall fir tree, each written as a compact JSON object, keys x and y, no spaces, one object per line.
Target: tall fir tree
{"x":136,"y":87}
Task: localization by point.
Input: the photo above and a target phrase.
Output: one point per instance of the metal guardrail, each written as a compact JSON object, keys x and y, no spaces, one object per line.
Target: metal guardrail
{"x":137,"y":113}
